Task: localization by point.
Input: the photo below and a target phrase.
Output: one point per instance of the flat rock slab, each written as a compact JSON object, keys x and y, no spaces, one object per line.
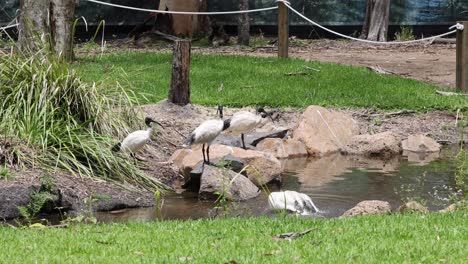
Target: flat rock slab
{"x":251,"y":139}
{"x":70,"y":194}
{"x":385,"y":144}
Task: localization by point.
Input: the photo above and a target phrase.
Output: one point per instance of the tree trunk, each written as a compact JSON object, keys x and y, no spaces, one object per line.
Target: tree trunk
{"x":62,"y":12}
{"x":179,"y":92}
{"x":47,"y":24}
{"x":375,"y":25}
{"x":33,"y":25}
{"x":243,"y":28}
{"x":204,"y":21}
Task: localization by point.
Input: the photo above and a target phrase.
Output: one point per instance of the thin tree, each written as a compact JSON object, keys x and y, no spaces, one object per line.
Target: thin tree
{"x":243,"y":27}
{"x":47,"y":24}
{"x":376,"y":20}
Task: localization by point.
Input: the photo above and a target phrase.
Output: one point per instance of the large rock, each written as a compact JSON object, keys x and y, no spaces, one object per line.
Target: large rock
{"x":384,"y":144}
{"x":289,"y":148}
{"x":14,"y":195}
{"x":369,"y":207}
{"x":322,"y":139}
{"x":263,"y":167}
{"x":178,"y":156}
{"x":412,"y":207}
{"x":192,"y":182}
{"x":420,"y":143}
{"x":234,"y":186}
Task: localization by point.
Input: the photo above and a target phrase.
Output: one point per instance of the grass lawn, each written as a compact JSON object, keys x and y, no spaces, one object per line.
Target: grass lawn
{"x":262,"y":81}
{"x":432,"y":238}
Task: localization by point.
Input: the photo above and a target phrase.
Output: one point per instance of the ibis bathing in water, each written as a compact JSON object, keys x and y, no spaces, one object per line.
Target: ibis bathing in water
{"x":137,"y":139}
{"x":244,"y":122}
{"x":292,"y":201}
{"x":207,"y":132}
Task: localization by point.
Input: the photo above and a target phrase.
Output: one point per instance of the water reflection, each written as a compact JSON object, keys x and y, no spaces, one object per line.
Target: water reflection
{"x":335,"y":183}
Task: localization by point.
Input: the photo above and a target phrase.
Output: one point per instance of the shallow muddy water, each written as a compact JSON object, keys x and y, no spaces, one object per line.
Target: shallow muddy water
{"x":335,"y":184}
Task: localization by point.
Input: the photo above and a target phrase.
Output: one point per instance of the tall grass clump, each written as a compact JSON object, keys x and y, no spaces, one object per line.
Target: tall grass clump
{"x":50,"y":120}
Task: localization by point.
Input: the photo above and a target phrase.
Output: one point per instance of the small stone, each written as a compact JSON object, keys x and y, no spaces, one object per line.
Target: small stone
{"x":420,"y":143}
{"x":369,"y":207}
{"x":412,"y":207}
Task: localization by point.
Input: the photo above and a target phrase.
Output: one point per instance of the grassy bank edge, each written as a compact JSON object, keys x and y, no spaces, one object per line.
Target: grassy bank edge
{"x":394,"y":238}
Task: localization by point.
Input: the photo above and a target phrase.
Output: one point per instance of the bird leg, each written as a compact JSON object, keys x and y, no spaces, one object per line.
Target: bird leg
{"x":134,"y":158}
{"x":208,"y":154}
{"x":243,"y":143}
{"x":203,"y":151}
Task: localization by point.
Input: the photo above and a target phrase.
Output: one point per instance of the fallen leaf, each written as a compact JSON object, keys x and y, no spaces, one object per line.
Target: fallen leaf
{"x":231,"y":262}
{"x":443,"y":260}
{"x":138,"y":253}
{"x":118,"y":211}
{"x":292,"y":235}
{"x":274,"y":252}
{"x":102,"y":242}
{"x":185,"y":258}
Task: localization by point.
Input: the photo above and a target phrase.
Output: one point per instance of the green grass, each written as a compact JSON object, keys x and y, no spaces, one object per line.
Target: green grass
{"x":414,"y":238}
{"x":262,"y":81}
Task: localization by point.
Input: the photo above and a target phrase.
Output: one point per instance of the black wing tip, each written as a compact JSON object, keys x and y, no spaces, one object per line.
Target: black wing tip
{"x":189,"y":141}
{"x":117,"y":146}
{"x":226,"y":124}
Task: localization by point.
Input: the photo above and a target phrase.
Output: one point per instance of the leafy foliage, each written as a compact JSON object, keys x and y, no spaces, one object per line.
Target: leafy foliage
{"x":53,"y":120}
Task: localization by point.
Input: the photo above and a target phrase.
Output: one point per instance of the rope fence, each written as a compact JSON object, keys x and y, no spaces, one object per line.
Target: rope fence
{"x":284,"y":5}
{"x":7,"y":27}
{"x":183,"y":12}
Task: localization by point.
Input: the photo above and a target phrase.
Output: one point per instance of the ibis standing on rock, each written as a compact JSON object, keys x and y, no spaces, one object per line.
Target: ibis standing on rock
{"x":244,"y":122}
{"x":137,"y":139}
{"x":207,"y":132}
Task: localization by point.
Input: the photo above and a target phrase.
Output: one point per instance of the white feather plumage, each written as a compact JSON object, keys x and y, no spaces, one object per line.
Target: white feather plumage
{"x":293,"y":201}
{"x":136,"y":140}
{"x":244,"y":122}
{"x":207,"y":131}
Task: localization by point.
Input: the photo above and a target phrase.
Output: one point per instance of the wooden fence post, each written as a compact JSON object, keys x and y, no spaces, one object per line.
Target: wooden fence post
{"x":179,"y":92}
{"x":283,"y":30}
{"x":462,"y":58}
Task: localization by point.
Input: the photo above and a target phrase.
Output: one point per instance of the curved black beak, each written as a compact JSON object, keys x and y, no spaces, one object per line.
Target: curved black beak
{"x":270,"y":116}
{"x":220,"y":111}
{"x":157,"y":123}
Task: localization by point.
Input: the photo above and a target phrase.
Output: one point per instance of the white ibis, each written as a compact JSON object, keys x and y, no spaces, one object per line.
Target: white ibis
{"x":136,"y":140}
{"x":292,"y":201}
{"x":244,"y":122}
{"x":207,"y":132}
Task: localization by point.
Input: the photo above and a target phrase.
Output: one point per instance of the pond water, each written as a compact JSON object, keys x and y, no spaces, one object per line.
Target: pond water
{"x":335,"y":184}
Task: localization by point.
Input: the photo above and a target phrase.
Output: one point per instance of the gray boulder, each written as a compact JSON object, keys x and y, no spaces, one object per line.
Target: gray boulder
{"x":234,"y":186}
